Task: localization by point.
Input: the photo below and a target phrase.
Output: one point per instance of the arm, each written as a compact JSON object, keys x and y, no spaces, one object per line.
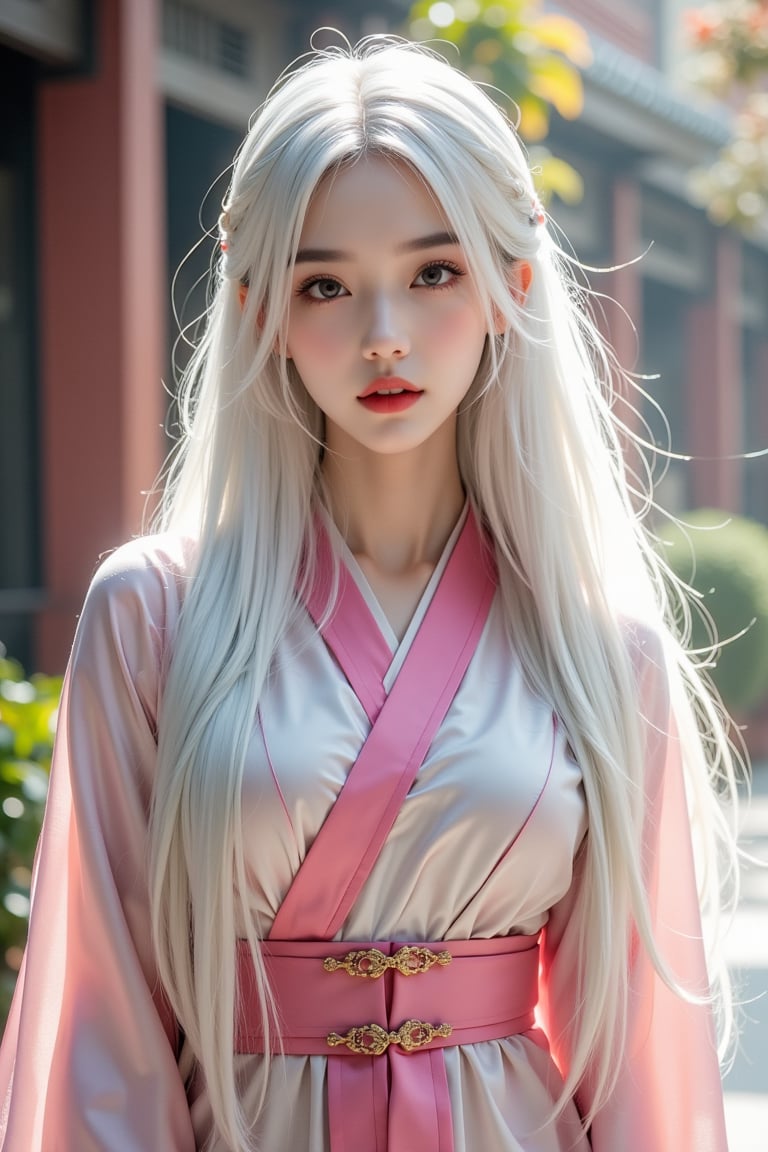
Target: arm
{"x":88,"y":1057}
{"x":669,"y":1094}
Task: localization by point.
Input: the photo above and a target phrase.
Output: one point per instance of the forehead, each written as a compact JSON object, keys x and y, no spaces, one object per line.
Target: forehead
{"x":375,"y":196}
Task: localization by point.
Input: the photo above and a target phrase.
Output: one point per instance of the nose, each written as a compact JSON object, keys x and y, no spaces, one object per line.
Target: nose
{"x":385,"y":336}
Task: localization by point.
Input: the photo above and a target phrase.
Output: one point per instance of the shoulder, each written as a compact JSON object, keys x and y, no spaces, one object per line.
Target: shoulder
{"x":647,"y":645}
{"x":134,"y":600}
{"x":147,"y":574}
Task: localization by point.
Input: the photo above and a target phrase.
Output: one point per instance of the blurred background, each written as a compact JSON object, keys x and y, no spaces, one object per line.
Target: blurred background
{"x":647,"y":124}
{"x":119,"y":121}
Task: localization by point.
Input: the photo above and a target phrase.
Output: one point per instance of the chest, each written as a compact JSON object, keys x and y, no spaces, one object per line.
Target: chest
{"x":449,"y":863}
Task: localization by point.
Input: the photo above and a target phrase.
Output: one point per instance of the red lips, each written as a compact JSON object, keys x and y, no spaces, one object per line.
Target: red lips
{"x":389,"y":394}
{"x":387,"y":384}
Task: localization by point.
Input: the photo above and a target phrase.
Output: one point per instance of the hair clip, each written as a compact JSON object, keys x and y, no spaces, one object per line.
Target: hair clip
{"x":537,"y":215}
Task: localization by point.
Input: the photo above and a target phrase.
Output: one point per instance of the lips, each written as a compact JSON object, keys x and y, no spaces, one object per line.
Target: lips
{"x":388,"y":385}
{"x":389,"y":403}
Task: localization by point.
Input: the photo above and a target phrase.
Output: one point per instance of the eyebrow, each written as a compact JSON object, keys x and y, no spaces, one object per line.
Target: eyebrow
{"x":320,"y":255}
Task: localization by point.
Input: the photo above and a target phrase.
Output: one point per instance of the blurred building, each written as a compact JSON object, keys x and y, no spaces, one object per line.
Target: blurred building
{"x":117,"y":117}
{"x":697,"y":294}
{"x":119,"y":120}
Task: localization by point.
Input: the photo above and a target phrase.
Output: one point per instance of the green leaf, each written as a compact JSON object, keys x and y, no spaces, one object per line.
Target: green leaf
{"x":28,"y":710}
{"x":6,"y":740}
{"x":725,"y":559}
{"x":10,"y":669}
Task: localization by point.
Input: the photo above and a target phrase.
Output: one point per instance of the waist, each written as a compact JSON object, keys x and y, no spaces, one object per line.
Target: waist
{"x":347,"y":998}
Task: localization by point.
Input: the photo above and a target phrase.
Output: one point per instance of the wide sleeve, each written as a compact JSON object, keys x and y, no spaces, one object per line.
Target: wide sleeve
{"x":88,"y":1056}
{"x":669,"y":1095}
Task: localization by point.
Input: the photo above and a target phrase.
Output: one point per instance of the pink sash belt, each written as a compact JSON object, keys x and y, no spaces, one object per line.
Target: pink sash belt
{"x":456,"y":992}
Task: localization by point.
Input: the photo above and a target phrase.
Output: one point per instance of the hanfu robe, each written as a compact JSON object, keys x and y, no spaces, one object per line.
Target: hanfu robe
{"x":488,"y":843}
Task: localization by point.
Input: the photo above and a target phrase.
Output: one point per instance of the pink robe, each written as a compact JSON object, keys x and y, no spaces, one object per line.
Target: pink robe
{"x":484,"y":846}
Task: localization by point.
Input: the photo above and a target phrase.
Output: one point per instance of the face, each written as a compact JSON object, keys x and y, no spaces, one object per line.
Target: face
{"x":386,"y":329}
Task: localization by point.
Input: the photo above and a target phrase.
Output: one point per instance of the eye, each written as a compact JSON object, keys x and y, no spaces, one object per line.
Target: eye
{"x":438,"y":274}
{"x":322,"y":288}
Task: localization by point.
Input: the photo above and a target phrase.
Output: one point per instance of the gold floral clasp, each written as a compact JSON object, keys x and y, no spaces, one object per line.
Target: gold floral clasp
{"x":410,"y":960}
{"x":373,"y":1040}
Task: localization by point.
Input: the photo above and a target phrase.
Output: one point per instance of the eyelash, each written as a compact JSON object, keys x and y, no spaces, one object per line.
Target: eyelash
{"x":448,"y":265}
{"x":304,"y":288}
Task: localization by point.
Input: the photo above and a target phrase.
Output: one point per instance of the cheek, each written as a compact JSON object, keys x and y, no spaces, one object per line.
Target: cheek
{"x":456,"y":331}
{"x":313,"y":340}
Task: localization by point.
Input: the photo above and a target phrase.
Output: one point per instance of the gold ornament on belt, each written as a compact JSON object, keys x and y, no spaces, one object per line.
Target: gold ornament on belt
{"x":410,"y":960}
{"x":373,"y":1040}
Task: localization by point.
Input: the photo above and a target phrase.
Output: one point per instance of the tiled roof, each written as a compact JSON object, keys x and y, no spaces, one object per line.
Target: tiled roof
{"x":623,"y":75}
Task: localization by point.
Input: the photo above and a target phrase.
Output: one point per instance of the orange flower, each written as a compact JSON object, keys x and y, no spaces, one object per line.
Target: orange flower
{"x":702,"y":26}
{"x":757,"y":21}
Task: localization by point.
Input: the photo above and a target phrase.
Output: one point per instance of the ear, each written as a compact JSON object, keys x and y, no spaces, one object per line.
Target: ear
{"x":242,"y":295}
{"x":520,"y":277}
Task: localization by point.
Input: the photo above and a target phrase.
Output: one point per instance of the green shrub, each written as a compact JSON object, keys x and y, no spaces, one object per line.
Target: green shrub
{"x":725,"y":559}
{"x":27,"y":722}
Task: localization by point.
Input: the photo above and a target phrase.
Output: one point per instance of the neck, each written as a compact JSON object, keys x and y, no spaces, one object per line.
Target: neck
{"x":396,"y":511}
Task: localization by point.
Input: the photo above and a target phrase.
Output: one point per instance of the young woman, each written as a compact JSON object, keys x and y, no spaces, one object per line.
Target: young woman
{"x":368,"y":824}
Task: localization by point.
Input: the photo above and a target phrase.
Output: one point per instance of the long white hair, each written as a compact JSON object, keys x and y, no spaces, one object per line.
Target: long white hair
{"x":540,"y":454}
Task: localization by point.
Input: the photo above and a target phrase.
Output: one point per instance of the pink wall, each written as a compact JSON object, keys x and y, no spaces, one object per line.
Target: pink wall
{"x":102,"y":276}
{"x":713,"y":389}
{"x":618,"y":312}
{"x":618,"y":21}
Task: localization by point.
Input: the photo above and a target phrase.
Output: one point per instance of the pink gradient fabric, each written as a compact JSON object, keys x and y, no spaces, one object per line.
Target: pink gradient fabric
{"x":404,"y":722}
{"x":486,"y":845}
{"x":488,"y":991}
{"x":670,"y":1093}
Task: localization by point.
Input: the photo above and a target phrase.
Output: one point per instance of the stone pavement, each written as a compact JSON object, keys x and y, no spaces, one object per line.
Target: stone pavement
{"x":746,"y":1085}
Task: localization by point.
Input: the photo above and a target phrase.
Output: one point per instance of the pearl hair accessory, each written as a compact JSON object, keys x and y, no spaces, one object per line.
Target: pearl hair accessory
{"x":224,"y":230}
